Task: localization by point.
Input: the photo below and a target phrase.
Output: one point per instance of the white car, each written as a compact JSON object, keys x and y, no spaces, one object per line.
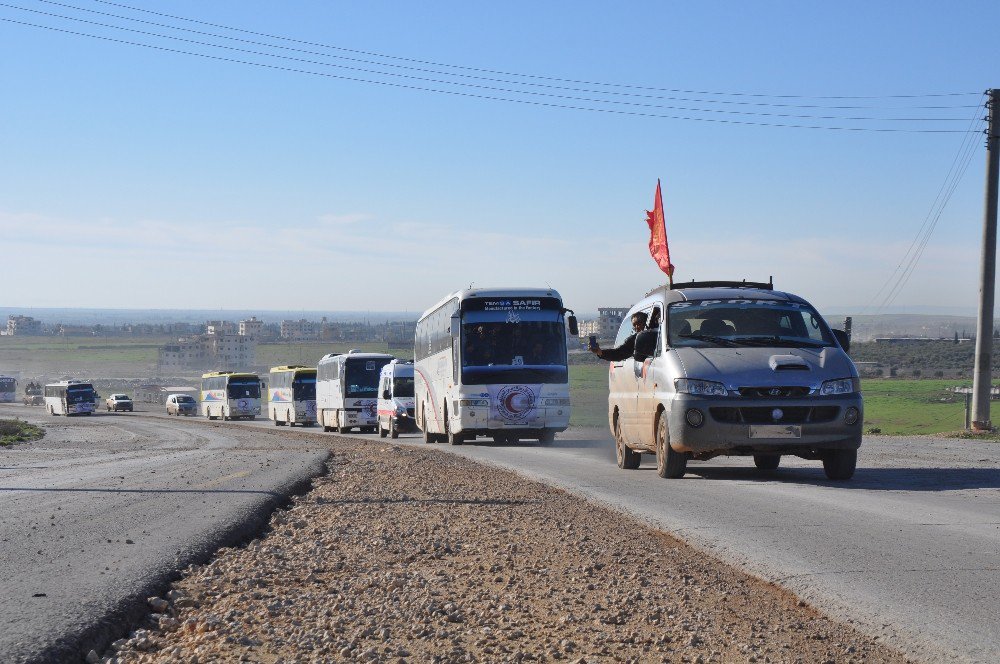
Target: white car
{"x":118,"y":402}
{"x":181,"y":404}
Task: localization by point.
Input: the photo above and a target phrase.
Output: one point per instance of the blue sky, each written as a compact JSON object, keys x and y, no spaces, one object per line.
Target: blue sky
{"x":203,"y":183}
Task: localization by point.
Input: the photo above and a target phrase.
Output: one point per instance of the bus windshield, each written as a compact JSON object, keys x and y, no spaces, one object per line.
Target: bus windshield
{"x":524,"y":351}
{"x":402,"y":387}
{"x":361,"y":377}
{"x":79,"y":394}
{"x":244,"y":388}
{"x":304,"y":388}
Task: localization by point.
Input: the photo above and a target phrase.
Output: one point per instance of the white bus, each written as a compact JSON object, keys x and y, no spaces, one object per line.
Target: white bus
{"x":347,"y":390}
{"x":70,"y":397}
{"x":291,"y":395}
{"x":492,"y":362}
{"x":230,"y":395}
{"x":8,"y":389}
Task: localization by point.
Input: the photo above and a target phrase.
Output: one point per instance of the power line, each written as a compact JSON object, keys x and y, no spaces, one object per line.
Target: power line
{"x":490,"y":97}
{"x":533,"y":76}
{"x":911,"y":258}
{"x":460,"y":75}
{"x":493,"y":88}
{"x":966,"y":140}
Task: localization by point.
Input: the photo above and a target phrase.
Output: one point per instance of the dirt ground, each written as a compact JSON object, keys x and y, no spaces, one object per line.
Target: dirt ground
{"x":403,"y":554}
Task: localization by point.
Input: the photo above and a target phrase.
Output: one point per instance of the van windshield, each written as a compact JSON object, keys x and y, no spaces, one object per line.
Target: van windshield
{"x":739,"y":322}
{"x":402,"y":387}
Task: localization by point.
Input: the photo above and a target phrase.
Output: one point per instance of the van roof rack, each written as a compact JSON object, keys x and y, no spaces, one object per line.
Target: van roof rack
{"x":769,"y":285}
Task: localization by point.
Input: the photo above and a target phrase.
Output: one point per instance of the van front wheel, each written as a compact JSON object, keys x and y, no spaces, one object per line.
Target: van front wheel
{"x":767,"y":461}
{"x":628,"y":459}
{"x":670,"y":463}
{"x":840,"y":464}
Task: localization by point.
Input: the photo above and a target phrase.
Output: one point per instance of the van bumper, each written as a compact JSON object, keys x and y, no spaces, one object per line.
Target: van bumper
{"x":738,"y":426}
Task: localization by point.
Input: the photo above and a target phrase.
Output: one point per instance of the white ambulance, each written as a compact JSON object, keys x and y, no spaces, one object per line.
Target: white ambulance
{"x":395,"y":399}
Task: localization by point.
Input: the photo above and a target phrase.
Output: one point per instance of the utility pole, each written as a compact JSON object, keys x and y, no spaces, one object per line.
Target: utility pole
{"x":983,"y":377}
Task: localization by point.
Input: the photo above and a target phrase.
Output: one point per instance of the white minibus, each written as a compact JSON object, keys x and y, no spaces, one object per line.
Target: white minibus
{"x":492,"y":362}
{"x":395,"y":399}
{"x":292,"y":395}
{"x":347,"y":390}
{"x":70,"y":397}
{"x":230,"y":395}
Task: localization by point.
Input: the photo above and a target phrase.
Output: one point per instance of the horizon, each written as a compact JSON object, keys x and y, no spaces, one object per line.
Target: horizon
{"x":145,"y":161}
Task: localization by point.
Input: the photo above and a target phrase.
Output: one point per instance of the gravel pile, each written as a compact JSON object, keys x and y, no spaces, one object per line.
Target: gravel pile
{"x":409,"y":554}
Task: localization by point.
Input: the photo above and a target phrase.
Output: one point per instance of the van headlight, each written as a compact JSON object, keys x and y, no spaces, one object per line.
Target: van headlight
{"x":840,"y":386}
{"x":707,"y":388}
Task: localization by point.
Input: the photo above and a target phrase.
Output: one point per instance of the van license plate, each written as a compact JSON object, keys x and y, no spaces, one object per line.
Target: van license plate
{"x":775,"y":431}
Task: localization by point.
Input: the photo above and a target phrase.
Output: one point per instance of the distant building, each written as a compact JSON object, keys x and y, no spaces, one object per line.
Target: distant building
{"x":299,"y":330}
{"x":159,"y":393}
{"x":23,"y":325}
{"x":220,"y":327}
{"x":609,"y":320}
{"x":251,"y":327}
{"x":218,"y":351}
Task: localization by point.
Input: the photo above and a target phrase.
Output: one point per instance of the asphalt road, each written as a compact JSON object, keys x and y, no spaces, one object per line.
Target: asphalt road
{"x":105,"y":509}
{"x":908,"y":551}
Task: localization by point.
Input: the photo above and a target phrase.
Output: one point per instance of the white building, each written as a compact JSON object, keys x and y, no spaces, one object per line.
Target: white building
{"x":251,"y":327}
{"x":23,"y":325}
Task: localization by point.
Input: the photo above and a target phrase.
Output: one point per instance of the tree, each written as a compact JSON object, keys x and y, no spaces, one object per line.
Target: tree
{"x":956,"y":336}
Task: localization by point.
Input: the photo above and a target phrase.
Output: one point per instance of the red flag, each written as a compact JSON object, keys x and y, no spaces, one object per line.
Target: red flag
{"x":658,"y":248}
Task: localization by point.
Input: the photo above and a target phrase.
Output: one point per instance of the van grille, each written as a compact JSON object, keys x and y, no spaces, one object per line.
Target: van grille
{"x":764,"y":415}
{"x":774,"y":392}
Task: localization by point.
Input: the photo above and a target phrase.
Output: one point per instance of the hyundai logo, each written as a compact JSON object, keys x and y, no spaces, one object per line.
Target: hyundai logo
{"x":777,"y":414}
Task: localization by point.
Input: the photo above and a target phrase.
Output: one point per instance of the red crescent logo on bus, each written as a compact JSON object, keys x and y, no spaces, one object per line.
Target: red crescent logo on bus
{"x":515,"y":402}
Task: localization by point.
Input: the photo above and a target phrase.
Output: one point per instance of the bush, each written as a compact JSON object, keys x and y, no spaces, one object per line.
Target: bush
{"x":16,"y":431}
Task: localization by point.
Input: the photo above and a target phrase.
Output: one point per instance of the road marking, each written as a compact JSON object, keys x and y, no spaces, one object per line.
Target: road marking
{"x":222,"y":480}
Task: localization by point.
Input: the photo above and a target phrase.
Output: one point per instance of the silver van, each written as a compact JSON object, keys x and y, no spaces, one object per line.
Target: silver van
{"x":734,"y":368}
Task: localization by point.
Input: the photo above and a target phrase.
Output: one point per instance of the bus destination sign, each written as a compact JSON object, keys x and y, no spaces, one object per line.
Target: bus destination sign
{"x":512,"y":304}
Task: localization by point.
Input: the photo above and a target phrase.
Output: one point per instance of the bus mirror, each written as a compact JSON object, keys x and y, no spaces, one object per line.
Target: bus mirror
{"x":645,"y":344}
{"x":386,"y":395}
{"x":456,"y":326}
{"x":574,"y":330}
{"x":843,"y":340}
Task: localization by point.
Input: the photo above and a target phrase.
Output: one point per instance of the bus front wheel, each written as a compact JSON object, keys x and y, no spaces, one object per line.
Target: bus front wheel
{"x":452,"y":437}
{"x":428,"y":436}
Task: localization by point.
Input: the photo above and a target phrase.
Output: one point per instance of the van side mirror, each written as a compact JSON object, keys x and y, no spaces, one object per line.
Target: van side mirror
{"x":645,"y":345}
{"x":574,"y":330}
{"x":843,"y":340}
{"x":456,"y":326}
